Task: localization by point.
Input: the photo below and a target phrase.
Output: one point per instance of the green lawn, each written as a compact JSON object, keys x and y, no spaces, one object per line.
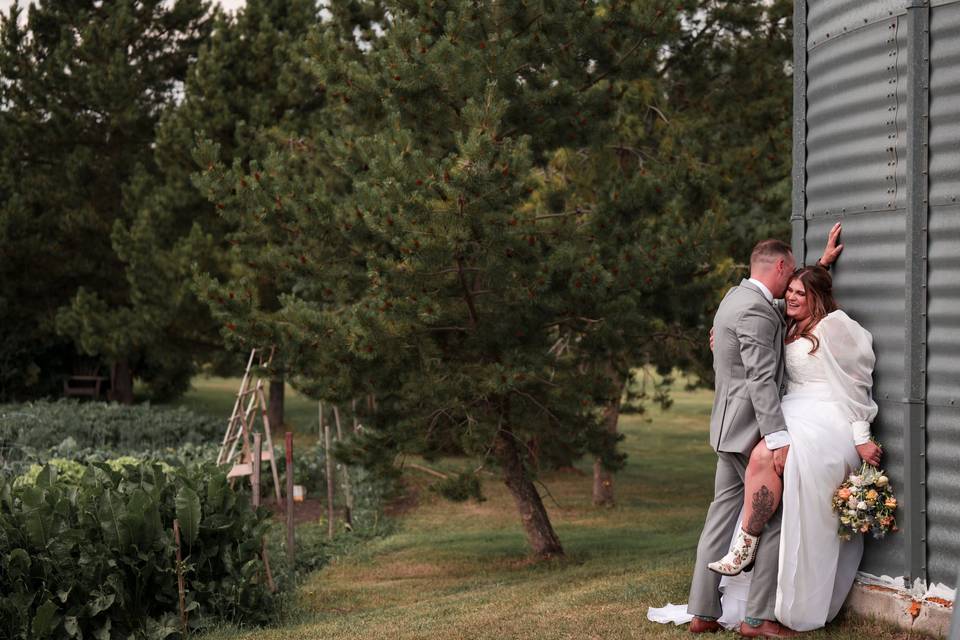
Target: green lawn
{"x":461,"y":570}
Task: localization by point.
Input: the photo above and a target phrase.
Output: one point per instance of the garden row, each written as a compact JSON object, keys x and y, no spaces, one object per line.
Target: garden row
{"x":89,"y":494}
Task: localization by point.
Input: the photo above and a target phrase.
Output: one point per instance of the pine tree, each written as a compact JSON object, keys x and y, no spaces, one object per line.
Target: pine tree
{"x":83,"y":87}
{"x":731,"y":77}
{"x":709,"y":125}
{"x":439,"y":280}
{"x":249,"y":88}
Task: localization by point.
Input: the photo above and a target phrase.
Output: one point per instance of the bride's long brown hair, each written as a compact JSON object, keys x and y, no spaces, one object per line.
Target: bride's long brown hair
{"x":818,"y":288}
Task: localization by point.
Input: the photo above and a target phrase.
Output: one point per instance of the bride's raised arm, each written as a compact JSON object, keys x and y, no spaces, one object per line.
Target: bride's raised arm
{"x":848,"y":354}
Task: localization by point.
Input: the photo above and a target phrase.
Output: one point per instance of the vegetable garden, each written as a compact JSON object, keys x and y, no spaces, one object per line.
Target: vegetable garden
{"x":89,"y":494}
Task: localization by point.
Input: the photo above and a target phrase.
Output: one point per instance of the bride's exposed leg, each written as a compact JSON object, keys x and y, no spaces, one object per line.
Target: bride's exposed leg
{"x":763,"y":488}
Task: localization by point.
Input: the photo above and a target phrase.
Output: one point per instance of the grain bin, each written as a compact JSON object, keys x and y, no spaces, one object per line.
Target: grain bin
{"x":877,"y":147}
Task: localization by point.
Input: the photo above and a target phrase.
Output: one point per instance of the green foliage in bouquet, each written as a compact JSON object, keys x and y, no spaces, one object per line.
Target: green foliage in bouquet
{"x":94,"y":556}
{"x":865,"y":503}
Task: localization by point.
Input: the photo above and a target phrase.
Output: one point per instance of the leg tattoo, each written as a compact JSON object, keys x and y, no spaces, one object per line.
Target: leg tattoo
{"x":762,"y":511}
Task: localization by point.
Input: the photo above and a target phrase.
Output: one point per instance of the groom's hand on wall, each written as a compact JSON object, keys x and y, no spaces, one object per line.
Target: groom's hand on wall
{"x":832,"y":251}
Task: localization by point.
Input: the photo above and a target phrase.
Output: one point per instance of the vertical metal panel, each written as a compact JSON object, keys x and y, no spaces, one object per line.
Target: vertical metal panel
{"x":798,"y":213}
{"x":943,"y":308}
{"x":856,"y":116}
{"x":889,"y":556}
{"x":828,"y":19}
{"x":945,"y":105}
{"x":914,"y":495}
{"x":943,"y":313}
{"x":955,"y":626}
{"x":943,"y":478}
{"x":869,"y":284}
{"x":856,"y":107}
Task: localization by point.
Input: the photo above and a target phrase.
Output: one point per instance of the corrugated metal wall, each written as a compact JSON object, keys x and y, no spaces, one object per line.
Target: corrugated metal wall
{"x":863,"y":145}
{"x":943,"y":310}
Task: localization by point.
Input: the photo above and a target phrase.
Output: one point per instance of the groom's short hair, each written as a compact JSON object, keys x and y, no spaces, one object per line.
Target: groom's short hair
{"x":769,"y":251}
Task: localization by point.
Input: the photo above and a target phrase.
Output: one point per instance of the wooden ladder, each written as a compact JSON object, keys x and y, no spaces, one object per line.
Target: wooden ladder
{"x":237,"y":445}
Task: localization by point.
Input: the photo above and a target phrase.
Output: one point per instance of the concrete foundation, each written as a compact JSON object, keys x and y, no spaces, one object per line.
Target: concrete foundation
{"x":930,"y":616}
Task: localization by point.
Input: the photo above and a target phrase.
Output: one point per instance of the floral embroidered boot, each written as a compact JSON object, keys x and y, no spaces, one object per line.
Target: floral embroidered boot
{"x":741,"y":555}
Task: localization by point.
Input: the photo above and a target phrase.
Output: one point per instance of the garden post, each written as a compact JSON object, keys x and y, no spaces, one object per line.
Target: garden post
{"x":255,"y":478}
{"x":347,"y":491}
{"x":181,"y":589}
{"x":288,"y":446}
{"x":327,"y":453}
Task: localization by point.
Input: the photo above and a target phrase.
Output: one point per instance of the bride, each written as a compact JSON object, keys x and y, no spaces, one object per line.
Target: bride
{"x":828,"y":408}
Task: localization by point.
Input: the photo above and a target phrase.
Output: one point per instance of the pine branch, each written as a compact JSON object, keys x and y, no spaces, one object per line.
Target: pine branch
{"x":538,"y":404}
{"x":468,"y":296}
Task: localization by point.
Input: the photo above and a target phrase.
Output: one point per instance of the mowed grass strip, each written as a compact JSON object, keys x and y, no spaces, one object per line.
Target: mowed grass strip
{"x":462,"y":570}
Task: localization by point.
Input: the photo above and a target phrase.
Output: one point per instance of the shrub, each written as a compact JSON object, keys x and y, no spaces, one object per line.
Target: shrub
{"x":119,"y":429}
{"x":460,"y":488}
{"x":95,"y":556}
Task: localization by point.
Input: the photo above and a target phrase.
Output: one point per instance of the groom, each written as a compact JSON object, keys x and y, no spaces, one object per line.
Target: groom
{"x":749,"y":371}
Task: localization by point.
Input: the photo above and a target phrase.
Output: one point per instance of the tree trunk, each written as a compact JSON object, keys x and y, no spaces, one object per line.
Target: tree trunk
{"x":540,"y":534}
{"x":603,"y":478}
{"x":122,"y":383}
{"x":275,"y":408}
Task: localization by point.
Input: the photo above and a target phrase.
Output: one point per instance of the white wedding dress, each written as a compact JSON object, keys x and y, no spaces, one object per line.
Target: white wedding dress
{"x":828,"y":408}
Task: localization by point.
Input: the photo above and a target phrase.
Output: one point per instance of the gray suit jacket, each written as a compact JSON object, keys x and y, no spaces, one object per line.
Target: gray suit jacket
{"x":749,"y":367}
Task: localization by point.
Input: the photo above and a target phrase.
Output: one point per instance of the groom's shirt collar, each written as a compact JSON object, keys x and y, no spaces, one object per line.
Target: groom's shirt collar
{"x":763,"y":289}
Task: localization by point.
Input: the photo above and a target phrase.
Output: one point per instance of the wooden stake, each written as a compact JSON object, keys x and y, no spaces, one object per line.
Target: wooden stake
{"x":266,"y":565}
{"x":356,"y":423}
{"x":268,"y":434}
{"x":181,"y":589}
{"x":320,"y":420}
{"x":347,"y":493}
{"x":255,"y":477}
{"x":288,"y":447}
{"x":432,"y":472}
{"x":329,"y":456}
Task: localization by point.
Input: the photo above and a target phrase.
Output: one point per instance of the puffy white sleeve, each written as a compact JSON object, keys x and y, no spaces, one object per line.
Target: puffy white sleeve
{"x":847,"y":350}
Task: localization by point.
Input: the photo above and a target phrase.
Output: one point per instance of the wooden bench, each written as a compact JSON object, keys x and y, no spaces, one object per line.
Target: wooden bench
{"x":86,"y":383}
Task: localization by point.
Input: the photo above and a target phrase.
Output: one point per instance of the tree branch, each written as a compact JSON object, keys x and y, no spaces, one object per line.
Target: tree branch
{"x":468,"y":296}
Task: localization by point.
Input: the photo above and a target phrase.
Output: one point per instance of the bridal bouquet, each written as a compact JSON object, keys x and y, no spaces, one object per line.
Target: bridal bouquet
{"x":865,"y":504}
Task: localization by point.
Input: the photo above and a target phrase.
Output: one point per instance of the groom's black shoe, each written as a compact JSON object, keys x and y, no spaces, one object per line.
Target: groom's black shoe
{"x":700,"y":625}
{"x":768,"y":629}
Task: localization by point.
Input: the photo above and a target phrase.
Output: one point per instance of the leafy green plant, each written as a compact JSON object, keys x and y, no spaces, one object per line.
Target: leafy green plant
{"x":95,"y":556}
{"x":118,"y":428}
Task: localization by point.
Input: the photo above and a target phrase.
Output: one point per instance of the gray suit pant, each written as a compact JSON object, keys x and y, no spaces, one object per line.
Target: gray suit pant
{"x":715,"y":542}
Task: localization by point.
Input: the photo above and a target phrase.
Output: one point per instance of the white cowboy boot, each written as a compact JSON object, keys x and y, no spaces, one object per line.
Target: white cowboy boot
{"x":741,"y":555}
